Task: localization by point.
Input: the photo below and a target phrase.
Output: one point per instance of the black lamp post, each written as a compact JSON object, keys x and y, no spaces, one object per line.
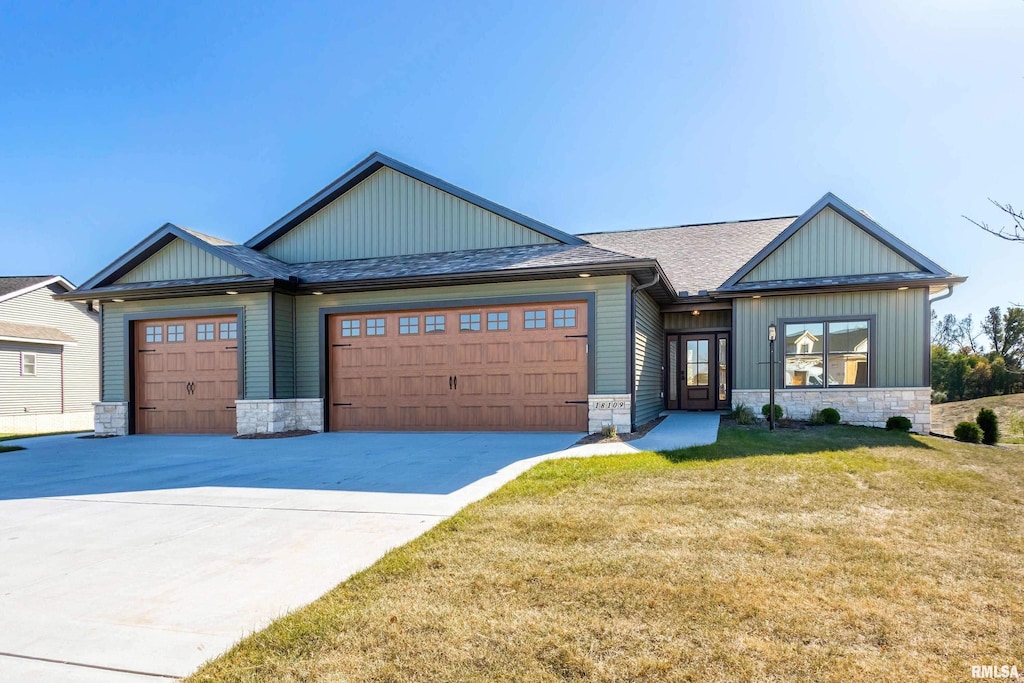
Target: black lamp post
{"x":771,"y":376}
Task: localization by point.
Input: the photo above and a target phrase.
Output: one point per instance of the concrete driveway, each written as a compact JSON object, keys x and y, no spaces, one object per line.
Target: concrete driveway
{"x":138,"y":558}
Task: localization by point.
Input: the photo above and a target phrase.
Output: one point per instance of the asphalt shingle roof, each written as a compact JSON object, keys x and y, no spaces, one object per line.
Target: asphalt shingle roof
{"x":450,"y":263}
{"x":13,"y":283}
{"x":696,"y":257}
{"x":831,"y":281}
{"x":26,"y":331}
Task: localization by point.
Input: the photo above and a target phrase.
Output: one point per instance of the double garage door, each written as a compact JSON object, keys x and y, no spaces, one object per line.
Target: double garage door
{"x":186,"y":375}
{"x":512,"y":367}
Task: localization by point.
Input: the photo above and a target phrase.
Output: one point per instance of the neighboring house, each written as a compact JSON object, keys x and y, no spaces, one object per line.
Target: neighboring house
{"x":393,"y":300}
{"x":49,"y":357}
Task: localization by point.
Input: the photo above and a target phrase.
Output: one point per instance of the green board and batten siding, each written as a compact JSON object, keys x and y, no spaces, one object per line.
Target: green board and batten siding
{"x":901,"y":332}
{"x":257,"y":337}
{"x":284,"y":346}
{"x":612,"y":352}
{"x":179,"y":260}
{"x":707,"y":320}
{"x":649,"y":351}
{"x":390,"y":214}
{"x":829,"y":245}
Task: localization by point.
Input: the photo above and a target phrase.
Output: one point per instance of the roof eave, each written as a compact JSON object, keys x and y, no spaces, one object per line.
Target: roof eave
{"x":106,"y":294}
{"x":56,"y":279}
{"x":370,"y":165}
{"x":646,"y":267}
{"x":782,"y":290}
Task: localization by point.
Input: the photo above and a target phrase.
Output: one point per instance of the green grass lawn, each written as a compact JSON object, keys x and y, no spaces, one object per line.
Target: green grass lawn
{"x":828,"y":554}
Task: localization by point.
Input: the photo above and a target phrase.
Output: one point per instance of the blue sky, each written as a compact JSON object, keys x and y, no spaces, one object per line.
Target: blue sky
{"x":118,"y":117}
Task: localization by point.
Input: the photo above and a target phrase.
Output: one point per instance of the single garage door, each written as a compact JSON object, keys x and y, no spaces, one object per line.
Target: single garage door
{"x":186,"y":375}
{"x":511,"y":367}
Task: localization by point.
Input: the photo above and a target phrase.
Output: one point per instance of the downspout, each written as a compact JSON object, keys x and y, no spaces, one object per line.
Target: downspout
{"x":632,"y":348}
{"x":949,"y":293}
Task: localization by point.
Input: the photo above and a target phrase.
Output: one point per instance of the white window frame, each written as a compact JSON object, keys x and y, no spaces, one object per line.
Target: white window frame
{"x":25,"y":355}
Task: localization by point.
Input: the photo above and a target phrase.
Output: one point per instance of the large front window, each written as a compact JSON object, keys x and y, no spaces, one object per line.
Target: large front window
{"x":827,"y":353}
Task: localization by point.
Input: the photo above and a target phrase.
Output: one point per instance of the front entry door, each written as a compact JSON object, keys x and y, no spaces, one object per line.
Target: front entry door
{"x":697,"y":371}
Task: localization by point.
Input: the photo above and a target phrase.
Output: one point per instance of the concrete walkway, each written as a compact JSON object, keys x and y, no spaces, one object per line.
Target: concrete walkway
{"x":139,"y":558}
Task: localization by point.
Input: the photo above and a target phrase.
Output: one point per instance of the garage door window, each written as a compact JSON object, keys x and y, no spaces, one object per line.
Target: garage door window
{"x":565,"y":317}
{"x":375,"y":327}
{"x":175,"y":333}
{"x":154,"y":334}
{"x":497,"y":321}
{"x":469,"y":322}
{"x":349,"y":328}
{"x":229,"y":330}
{"x":434,"y":323}
{"x":535,"y":320}
{"x":204,"y":332}
{"x":409,"y":325}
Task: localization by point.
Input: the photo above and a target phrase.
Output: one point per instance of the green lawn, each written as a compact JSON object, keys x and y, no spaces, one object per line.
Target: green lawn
{"x":828,"y":554}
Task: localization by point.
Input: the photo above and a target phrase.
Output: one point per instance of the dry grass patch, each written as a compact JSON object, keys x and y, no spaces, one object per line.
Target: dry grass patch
{"x":837,"y":554}
{"x":1009,"y":409}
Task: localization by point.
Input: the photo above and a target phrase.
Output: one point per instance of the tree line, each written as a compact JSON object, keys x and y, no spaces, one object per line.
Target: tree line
{"x":971,"y":363}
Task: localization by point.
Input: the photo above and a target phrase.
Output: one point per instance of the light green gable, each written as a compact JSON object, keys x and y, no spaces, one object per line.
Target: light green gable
{"x":612,"y":324}
{"x":649,"y":354}
{"x":390,"y":214}
{"x":179,"y":260}
{"x":829,"y":245}
{"x":257,"y":337}
{"x":900,"y":354}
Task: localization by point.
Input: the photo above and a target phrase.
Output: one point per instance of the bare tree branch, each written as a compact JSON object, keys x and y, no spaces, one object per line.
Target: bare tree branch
{"x":1013,"y":233}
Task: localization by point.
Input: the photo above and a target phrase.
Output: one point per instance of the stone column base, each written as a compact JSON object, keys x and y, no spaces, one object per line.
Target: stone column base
{"x":110,"y":418}
{"x":267,"y":416}
{"x":609,"y":410}
{"x":870,"y":407}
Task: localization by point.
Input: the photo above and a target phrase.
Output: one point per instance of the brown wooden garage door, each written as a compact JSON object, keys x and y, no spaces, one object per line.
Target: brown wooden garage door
{"x":186,"y":375}
{"x":513,"y":367}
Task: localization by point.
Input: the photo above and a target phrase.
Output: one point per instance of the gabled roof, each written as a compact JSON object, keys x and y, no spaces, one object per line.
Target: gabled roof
{"x":254,"y":264}
{"x":697,"y":258}
{"x":371,"y":165}
{"x":858,"y":218}
{"x":16,"y":285}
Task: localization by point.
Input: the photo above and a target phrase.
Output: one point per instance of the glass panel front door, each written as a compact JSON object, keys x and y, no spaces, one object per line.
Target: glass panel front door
{"x":697,"y":371}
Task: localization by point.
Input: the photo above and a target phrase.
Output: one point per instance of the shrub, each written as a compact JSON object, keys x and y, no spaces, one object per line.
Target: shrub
{"x":816,"y":419}
{"x":1017,"y":423}
{"x":967,"y":432}
{"x":742,"y":414}
{"x":989,"y":424}
{"x":609,"y":431}
{"x":778,"y":411}
{"x":938,"y":397}
{"x":898,"y":423}
{"x":830,"y":416}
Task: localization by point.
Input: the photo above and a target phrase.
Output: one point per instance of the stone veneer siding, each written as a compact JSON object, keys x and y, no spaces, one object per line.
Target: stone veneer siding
{"x":609,"y":409}
{"x":869,"y":406}
{"x":110,"y":418}
{"x":267,"y":416}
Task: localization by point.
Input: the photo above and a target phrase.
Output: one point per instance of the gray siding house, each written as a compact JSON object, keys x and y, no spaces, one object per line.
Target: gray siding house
{"x":393,"y":300}
{"x":49,"y":357}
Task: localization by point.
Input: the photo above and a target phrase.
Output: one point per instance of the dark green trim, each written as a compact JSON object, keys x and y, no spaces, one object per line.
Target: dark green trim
{"x":322,"y":314}
{"x":271,"y":334}
{"x":129,"y":345}
{"x":780,"y":355}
